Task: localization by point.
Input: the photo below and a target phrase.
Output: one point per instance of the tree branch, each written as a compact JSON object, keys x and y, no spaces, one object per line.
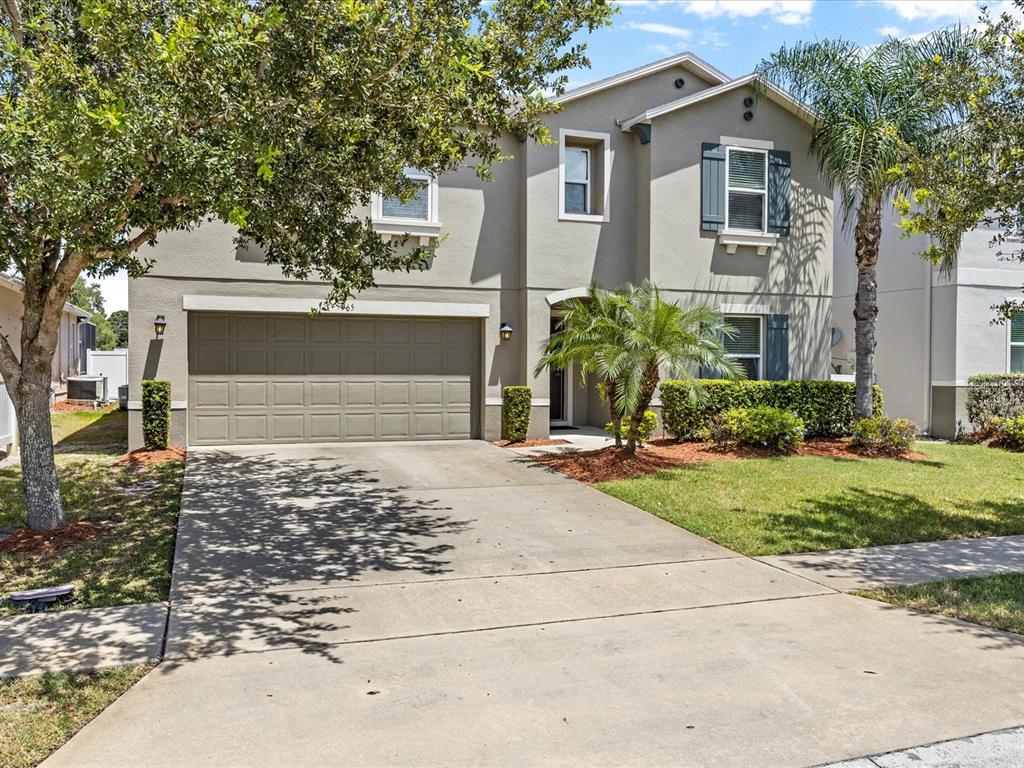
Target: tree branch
{"x":10,"y":367}
{"x":10,"y":8}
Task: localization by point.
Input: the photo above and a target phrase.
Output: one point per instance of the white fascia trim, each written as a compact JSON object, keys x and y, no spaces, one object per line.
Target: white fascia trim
{"x":746,"y":309}
{"x":568,"y":293}
{"x":176,"y":405}
{"x":686,"y":58}
{"x":606,"y":208}
{"x":777,"y":95}
{"x":264,"y":305}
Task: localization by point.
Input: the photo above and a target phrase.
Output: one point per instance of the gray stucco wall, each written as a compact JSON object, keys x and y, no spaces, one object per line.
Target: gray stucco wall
{"x":504,"y":246}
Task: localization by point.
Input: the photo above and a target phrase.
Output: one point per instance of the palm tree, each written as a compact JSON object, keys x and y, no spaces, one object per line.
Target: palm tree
{"x":872,"y":112}
{"x":627,"y":337}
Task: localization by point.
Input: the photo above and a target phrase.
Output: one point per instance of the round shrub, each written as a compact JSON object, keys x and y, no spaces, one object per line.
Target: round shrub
{"x":882,"y":436}
{"x":648,"y":424}
{"x":1013,"y":433}
{"x":762,"y":426}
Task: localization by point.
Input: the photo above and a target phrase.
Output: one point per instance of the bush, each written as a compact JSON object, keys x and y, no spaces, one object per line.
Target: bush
{"x":1012,"y":436}
{"x":881,"y":436}
{"x":156,"y":414}
{"x":762,"y":426}
{"x":994,"y":395}
{"x":515,"y":413}
{"x":826,"y":407}
{"x":648,"y":424}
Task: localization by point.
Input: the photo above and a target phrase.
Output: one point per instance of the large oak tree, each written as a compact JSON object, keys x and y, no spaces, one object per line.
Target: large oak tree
{"x":121,"y":119}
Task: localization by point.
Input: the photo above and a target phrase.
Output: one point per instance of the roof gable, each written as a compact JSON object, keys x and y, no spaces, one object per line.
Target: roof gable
{"x":685,"y":59}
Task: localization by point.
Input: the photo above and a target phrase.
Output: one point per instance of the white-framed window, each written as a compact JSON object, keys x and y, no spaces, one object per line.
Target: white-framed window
{"x":419,"y":209}
{"x":746,"y":184}
{"x":746,"y":346}
{"x":584,"y":172}
{"x":577,"y":180}
{"x":1016,"y":353}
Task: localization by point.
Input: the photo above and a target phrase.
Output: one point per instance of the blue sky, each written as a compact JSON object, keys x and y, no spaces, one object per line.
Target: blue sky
{"x":733,"y":35}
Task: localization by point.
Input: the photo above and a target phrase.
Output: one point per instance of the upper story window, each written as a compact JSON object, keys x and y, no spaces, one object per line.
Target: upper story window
{"x":584,"y":170}
{"x":745,"y":346}
{"x":1017,"y":343}
{"x":421,"y":206}
{"x":746,"y":206}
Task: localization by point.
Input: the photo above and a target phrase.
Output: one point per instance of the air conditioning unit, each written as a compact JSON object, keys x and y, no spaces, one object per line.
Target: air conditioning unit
{"x":88,"y":388}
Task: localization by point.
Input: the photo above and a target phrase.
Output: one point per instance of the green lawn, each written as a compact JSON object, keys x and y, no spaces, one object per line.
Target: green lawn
{"x":995,"y":601}
{"x":39,"y":714}
{"x":805,"y":503}
{"x":130,"y":565}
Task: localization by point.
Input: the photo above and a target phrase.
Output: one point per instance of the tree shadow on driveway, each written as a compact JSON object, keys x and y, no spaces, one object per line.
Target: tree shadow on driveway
{"x":265,"y":543}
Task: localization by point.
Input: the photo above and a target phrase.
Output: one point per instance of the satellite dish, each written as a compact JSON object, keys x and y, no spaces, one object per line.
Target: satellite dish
{"x":837,"y":336}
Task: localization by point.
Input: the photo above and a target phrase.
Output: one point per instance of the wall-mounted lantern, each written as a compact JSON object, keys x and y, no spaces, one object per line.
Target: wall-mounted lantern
{"x":505,"y":331}
{"x":160,"y":325}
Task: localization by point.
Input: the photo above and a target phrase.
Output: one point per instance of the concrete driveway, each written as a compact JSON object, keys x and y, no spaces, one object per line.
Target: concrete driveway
{"x":451,"y":604}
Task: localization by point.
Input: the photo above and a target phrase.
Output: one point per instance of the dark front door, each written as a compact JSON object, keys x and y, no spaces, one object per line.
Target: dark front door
{"x":557,"y":383}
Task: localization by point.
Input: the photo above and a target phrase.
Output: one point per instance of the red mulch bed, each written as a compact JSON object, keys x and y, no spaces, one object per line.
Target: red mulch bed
{"x":659,"y":455}
{"x":142,"y":457}
{"x":528,"y":443}
{"x":29,"y":542}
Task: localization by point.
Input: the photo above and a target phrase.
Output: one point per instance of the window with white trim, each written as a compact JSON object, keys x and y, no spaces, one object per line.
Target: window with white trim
{"x":747,"y":343}
{"x":421,"y":206}
{"x":584,"y":166}
{"x":1017,"y":343}
{"x":746,"y":184}
{"x":577,"y":188}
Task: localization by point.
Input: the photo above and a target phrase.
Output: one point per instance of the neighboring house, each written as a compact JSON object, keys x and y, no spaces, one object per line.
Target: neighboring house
{"x":671,"y":172}
{"x":67,"y":358}
{"x":933,"y":330}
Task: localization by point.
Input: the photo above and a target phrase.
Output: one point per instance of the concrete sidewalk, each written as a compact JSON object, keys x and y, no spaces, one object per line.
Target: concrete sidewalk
{"x":1002,"y":749}
{"x":81,"y":640}
{"x":848,"y":570}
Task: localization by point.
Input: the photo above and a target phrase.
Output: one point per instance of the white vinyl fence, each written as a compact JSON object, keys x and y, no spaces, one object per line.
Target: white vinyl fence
{"x":8,"y":419}
{"x":113,"y":364}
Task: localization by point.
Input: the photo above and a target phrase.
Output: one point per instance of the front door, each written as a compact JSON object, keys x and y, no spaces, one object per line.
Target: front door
{"x":557,"y":383}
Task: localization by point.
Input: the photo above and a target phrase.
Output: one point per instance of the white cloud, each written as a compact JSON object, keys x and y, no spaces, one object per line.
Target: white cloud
{"x":660,"y":29}
{"x":710,"y":38}
{"x":890,"y":31}
{"x":934,"y":10}
{"x":790,"y":12}
{"x":662,"y":50}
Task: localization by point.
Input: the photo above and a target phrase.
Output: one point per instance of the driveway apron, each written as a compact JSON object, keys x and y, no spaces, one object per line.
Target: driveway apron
{"x":454,"y":604}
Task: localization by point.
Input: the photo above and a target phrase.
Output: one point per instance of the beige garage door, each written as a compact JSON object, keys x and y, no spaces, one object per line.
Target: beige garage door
{"x":294,"y":378}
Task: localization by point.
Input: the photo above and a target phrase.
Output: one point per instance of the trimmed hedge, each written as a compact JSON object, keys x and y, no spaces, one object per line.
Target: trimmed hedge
{"x":994,"y":395}
{"x":881,"y":436}
{"x":826,"y":407}
{"x":515,"y":413}
{"x":648,"y":424}
{"x":156,"y":414}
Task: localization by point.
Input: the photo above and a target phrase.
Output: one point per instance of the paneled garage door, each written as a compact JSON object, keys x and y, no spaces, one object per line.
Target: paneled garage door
{"x":294,"y":378}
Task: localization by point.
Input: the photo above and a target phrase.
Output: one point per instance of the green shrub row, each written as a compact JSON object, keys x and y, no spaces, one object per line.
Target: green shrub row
{"x":762,"y":426}
{"x":515,"y":413}
{"x":825,"y":407}
{"x":994,"y":395}
{"x":156,"y":414}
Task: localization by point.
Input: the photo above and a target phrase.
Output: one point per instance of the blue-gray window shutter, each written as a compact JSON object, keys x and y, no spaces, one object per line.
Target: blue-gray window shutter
{"x":711,"y":373}
{"x":778,"y":191}
{"x":712,"y":187}
{"x":777,"y":348}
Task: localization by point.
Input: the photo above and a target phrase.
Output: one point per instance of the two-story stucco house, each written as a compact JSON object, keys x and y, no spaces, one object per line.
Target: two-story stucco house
{"x":934,"y":330}
{"x":672,"y":172}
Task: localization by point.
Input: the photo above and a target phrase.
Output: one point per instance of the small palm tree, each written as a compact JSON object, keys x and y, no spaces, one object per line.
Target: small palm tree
{"x":627,"y":337}
{"x":872,"y":112}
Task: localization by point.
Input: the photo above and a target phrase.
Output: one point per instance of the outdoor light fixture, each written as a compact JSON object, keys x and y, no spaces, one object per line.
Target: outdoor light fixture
{"x":160,"y":325}
{"x":505,"y":331}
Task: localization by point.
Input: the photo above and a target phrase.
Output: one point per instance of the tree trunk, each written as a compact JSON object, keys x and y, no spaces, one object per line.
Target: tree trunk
{"x":610,"y":392}
{"x":38,"y":471}
{"x":867,"y":235}
{"x":650,"y":383}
